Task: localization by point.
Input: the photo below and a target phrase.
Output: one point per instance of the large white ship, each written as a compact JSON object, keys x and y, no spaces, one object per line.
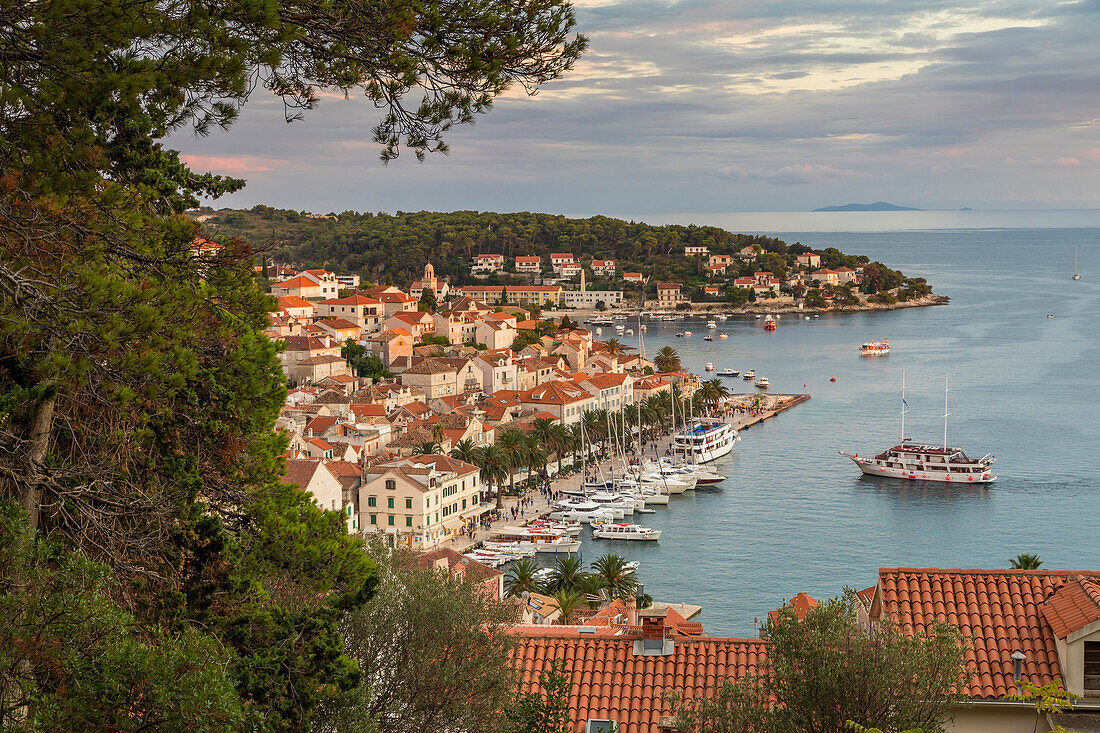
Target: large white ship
{"x":706,"y":440}
{"x":919,"y":462}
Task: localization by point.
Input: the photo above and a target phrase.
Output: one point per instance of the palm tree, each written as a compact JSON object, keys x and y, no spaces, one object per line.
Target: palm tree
{"x":494,"y":469}
{"x":577,"y":441}
{"x":591,"y":585}
{"x":438,"y":433}
{"x":568,"y":603}
{"x":546,"y":432}
{"x":614,"y":347}
{"x":427,"y":449}
{"x":521,"y":577}
{"x":512,"y":444}
{"x":1026,"y":561}
{"x":465,"y":450}
{"x":617,"y":578}
{"x":667,"y":360}
{"x":566,"y":573}
{"x":534,"y":454}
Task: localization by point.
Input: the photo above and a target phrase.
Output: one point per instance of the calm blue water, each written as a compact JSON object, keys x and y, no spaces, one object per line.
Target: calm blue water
{"x":795,"y":516}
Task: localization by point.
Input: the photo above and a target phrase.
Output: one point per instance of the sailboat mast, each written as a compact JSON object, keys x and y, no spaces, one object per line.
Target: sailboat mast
{"x":946,"y":389}
{"x":903,"y":407}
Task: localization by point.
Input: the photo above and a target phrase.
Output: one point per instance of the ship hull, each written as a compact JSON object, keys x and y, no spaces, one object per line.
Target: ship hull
{"x":870,"y":468}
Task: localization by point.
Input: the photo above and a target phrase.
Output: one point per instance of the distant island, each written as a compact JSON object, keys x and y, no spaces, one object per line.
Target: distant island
{"x":877,"y":206}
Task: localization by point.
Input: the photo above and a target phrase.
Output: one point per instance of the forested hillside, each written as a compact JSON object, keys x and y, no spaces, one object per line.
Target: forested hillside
{"x":377,"y":245}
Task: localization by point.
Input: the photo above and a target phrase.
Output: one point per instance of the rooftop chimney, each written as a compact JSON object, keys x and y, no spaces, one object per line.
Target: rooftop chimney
{"x":1018,"y":658}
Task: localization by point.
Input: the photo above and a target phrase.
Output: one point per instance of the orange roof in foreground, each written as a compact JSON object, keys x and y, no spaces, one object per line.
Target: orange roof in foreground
{"x":610,"y":681}
{"x":1073,"y":606}
{"x":998,"y":611}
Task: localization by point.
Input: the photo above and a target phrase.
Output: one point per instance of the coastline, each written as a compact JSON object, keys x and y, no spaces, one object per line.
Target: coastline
{"x":757,"y":308}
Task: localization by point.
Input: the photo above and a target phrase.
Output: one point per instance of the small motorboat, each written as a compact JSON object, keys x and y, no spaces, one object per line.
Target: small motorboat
{"x":687,"y":333}
{"x":769,"y":322}
{"x":1050,"y":315}
{"x":749,"y":375}
{"x":723,"y":335}
{"x":727,"y":373}
{"x":816,"y":317}
{"x":708,"y":337}
{"x":712,"y":324}
{"x":762,"y":383}
{"x":709,"y":367}
{"x":680,"y":335}
{"x":630,"y":332}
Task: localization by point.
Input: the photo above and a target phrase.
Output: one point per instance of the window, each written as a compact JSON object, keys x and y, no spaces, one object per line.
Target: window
{"x":391,"y":484}
{"x":389,"y":520}
{"x":389,"y":502}
{"x":1092,"y":669}
{"x":372,"y":501}
{"x":463,"y":503}
{"x":408,"y":503}
{"x":374,"y":519}
{"x":473,"y":499}
{"x":408,"y":521}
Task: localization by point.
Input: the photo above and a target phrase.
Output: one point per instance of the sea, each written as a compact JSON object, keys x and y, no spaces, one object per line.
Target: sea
{"x":1020,"y":345}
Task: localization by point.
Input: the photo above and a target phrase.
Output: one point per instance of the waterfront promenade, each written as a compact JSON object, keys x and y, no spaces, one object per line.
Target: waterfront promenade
{"x":742,"y":411}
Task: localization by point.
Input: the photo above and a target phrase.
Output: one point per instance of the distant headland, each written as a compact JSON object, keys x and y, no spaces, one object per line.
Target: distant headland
{"x":877,"y":206}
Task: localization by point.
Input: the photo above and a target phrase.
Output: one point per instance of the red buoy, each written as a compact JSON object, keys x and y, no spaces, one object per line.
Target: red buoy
{"x":833,"y":379}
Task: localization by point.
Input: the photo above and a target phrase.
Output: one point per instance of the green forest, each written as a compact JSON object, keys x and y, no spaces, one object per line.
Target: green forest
{"x":379,"y":245}
{"x":394,"y":247}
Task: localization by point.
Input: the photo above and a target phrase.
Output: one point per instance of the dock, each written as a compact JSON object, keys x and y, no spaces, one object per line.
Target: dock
{"x":743,"y":411}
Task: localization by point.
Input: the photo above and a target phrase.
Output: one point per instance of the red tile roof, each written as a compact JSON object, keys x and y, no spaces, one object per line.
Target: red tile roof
{"x":1073,"y":606}
{"x":351,"y":300}
{"x":802,"y":604}
{"x":293,"y":301}
{"x":999,"y":612}
{"x":610,"y":681}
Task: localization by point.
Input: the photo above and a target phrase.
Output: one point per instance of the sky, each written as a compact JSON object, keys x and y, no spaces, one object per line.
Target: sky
{"x":731,"y":105}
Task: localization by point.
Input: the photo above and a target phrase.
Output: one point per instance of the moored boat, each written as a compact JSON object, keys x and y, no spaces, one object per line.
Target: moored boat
{"x":727,"y":373}
{"x":763,"y":383}
{"x":705,"y":440}
{"x":923,"y":462}
{"x":709,"y":367}
{"x":623,"y":531}
{"x":749,"y":375}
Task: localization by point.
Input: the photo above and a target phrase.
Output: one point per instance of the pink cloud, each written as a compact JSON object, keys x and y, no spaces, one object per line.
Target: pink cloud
{"x":1066,"y":162}
{"x":232,"y":165}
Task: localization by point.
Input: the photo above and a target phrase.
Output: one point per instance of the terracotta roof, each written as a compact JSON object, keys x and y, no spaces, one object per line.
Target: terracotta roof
{"x":320,"y":424}
{"x":529,"y":258}
{"x":360,"y":409}
{"x":668,"y":286}
{"x":802,"y":604}
{"x":298,"y":281}
{"x":300,"y":472}
{"x":326,"y":359}
{"x":457,"y":564}
{"x":431,"y":366}
{"x":339,"y":323}
{"x":999,"y":612}
{"x":1073,"y":606}
{"x":556,"y":392}
{"x":610,"y":681}
{"x":293,"y":301}
{"x":351,"y":300}
{"x":443,"y":464}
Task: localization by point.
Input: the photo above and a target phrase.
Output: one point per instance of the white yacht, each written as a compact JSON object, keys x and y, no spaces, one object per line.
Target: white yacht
{"x":727,"y":373}
{"x":749,"y":375}
{"x":706,"y":439}
{"x":712,"y":324}
{"x":668,"y":467}
{"x":582,"y":511}
{"x":921,"y":462}
{"x":625,"y":532}
{"x":539,"y":540}
{"x":709,"y":367}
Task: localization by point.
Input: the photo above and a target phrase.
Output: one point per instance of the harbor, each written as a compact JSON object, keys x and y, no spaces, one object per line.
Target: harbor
{"x":534,"y":506}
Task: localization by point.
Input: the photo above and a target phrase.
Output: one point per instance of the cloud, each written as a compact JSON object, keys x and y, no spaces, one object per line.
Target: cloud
{"x":928,"y":100}
{"x":231,"y":165}
{"x":791,"y":175}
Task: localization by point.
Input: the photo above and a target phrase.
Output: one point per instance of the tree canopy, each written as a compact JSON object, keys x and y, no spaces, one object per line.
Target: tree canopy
{"x":138,"y":392}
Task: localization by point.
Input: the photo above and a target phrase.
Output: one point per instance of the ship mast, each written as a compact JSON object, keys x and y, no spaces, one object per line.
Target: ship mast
{"x":946,"y":389}
{"x":903,"y":405}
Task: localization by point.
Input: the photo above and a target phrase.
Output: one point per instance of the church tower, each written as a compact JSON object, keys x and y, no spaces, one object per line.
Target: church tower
{"x":428,"y":281}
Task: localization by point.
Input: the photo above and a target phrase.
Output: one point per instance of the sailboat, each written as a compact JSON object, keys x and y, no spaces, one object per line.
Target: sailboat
{"x":924,"y":462}
{"x":1076,"y":274}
